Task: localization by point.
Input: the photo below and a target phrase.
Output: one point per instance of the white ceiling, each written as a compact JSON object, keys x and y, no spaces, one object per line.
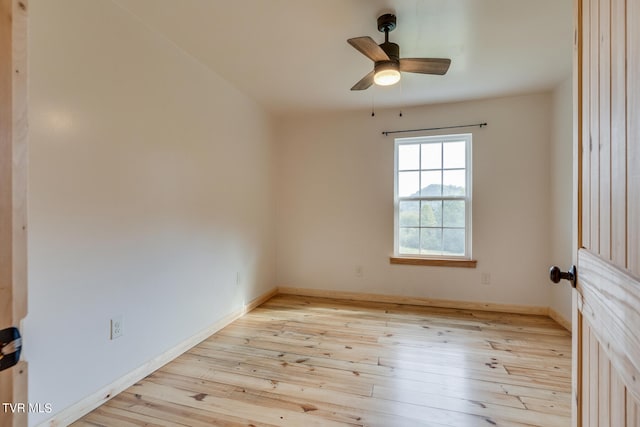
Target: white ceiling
{"x":292,"y":55}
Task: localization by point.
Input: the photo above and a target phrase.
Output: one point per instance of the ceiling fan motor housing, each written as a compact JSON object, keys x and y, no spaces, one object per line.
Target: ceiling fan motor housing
{"x":386,"y":23}
{"x":392,"y":50}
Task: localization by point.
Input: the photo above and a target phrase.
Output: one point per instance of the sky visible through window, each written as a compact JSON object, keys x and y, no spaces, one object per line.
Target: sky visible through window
{"x":418,"y":169}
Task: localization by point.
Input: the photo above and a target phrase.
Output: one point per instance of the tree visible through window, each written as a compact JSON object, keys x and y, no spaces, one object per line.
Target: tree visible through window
{"x":433,"y":196}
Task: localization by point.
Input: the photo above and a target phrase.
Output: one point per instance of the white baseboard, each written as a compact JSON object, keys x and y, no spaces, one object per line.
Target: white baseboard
{"x":560,"y":319}
{"x":426,"y":302}
{"x":89,"y":403}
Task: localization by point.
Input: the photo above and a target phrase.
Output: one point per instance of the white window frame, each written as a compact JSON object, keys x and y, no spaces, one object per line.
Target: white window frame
{"x":467,"y":138}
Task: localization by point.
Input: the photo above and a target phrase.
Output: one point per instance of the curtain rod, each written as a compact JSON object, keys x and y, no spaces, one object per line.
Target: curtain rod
{"x":387,"y":132}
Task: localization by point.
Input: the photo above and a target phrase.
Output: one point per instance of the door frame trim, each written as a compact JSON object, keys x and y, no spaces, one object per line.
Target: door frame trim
{"x":13,"y":192}
{"x":576,"y":321}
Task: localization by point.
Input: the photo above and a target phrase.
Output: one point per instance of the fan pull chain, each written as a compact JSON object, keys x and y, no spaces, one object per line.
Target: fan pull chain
{"x":373,"y":104}
{"x":401,"y":98}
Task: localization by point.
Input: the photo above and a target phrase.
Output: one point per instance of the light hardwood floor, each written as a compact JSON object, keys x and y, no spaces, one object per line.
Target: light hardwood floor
{"x":303,"y":361}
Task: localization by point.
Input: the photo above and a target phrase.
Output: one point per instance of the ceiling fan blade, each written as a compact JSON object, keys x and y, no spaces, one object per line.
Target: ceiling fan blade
{"x":364,"y":82}
{"x":437,"y":66}
{"x":369,"y":48}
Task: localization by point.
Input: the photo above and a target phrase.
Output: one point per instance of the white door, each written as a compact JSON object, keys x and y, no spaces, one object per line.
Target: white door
{"x":606,"y":318}
{"x":13,"y":197}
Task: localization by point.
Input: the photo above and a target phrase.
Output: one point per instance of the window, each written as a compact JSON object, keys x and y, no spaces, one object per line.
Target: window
{"x":432,"y":197}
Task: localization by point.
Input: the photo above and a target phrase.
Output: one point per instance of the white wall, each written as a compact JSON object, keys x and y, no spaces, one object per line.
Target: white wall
{"x":153,"y":186}
{"x":335,"y":210}
{"x":562,"y":199}
{"x":150,"y":188}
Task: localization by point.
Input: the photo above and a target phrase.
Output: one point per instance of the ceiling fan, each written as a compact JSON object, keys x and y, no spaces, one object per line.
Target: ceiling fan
{"x":386,"y":58}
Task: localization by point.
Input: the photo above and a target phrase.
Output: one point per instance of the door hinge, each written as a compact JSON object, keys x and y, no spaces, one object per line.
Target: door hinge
{"x":10,"y":347}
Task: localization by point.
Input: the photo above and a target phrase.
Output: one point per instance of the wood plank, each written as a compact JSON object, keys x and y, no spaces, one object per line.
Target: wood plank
{"x":371,"y":374}
{"x":594,"y":122}
{"x":618,"y":134}
{"x":586,"y":140}
{"x":577,"y":125}
{"x":508,"y":414}
{"x":13,"y":192}
{"x":547,"y":406}
{"x":633,"y":414}
{"x":611,"y":300}
{"x":307,"y":404}
{"x":633,"y":132}
{"x":618,"y":400}
{"x":577,"y":360}
{"x":20,"y":154}
{"x":586,"y":376}
{"x":449,"y":315}
{"x":604,"y":126}
{"x":13,"y":161}
{"x":218,"y":386}
{"x":306,"y":361}
{"x":337,"y":412}
{"x":163,"y":409}
{"x":6,"y":168}
{"x":427,"y":302}
{"x":604,"y":389}
{"x":388,"y":338}
{"x":581,"y":209}
{"x":594,"y":385}
{"x":109,"y":415}
{"x":295,"y":373}
{"x":196,"y":395}
{"x":6,"y":191}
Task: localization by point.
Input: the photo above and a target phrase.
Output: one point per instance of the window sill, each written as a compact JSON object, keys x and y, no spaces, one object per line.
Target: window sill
{"x":464,"y":263}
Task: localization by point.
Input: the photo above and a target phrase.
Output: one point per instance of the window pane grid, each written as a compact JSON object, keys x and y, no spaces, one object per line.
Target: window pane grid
{"x":439,"y":228}
{"x":401,"y":199}
{"x":431,"y":170}
{"x":432,"y":197}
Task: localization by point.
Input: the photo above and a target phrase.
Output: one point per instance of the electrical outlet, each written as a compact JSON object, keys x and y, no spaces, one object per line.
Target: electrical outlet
{"x":116,"y":327}
{"x":485,"y":278}
{"x":359,"y":271}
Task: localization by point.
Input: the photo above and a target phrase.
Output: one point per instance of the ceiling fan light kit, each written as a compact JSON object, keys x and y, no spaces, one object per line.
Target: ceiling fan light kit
{"x":386,"y":74}
{"x":386,"y":57}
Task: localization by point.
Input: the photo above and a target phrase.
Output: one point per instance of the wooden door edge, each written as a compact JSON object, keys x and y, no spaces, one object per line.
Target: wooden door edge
{"x":576,"y":334}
